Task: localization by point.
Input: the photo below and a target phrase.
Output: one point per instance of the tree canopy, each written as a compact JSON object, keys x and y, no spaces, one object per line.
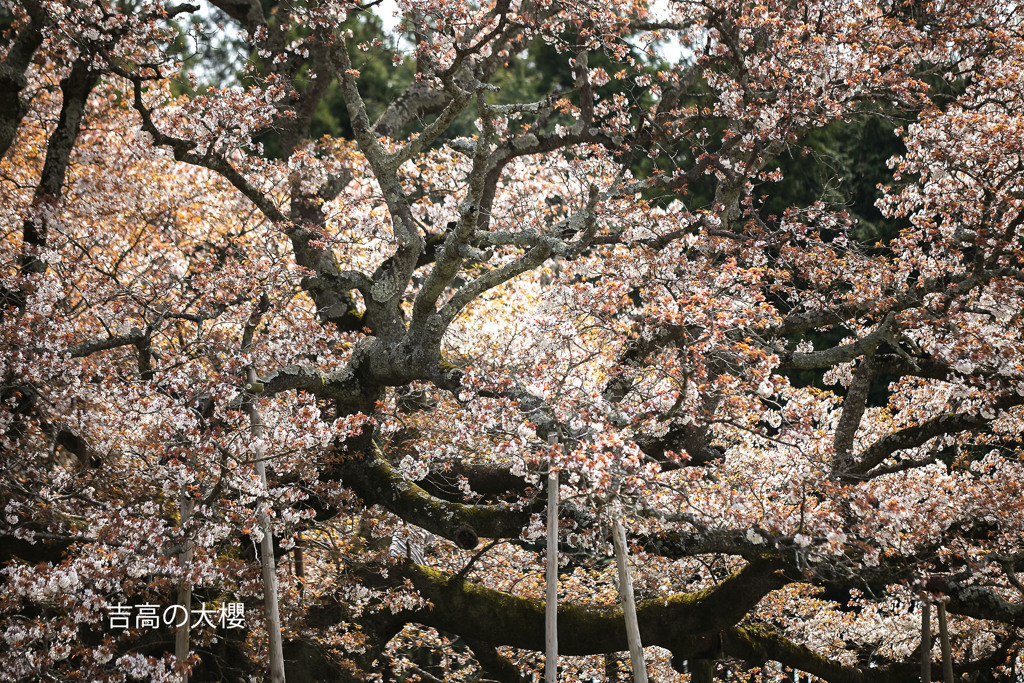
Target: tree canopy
{"x":363,"y":300}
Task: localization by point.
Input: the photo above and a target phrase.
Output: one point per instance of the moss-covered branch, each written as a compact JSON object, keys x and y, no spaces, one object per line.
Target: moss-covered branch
{"x":700,"y":625}
{"x":676,"y":622}
{"x":692,"y":626}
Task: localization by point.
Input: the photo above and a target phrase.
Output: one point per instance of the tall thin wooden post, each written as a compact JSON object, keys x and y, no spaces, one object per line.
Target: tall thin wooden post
{"x":636,"y":651}
{"x":926,"y":639}
{"x":947,"y":653}
{"x":181,"y":637}
{"x":551,"y":578}
{"x":269,"y":567}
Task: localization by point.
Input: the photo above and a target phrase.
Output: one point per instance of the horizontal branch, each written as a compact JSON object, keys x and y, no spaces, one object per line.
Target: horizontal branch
{"x":376,"y":481}
{"x":699,"y":625}
{"x":760,"y":643}
{"x":827,"y":358}
{"x":339,"y":385}
{"x":917,"y":435}
{"x":671,"y":621}
{"x":484,"y":478}
{"x":95,"y":346}
{"x":978,"y":602}
{"x":951,"y":285}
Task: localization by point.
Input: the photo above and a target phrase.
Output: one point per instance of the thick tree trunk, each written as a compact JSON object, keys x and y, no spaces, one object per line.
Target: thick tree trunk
{"x":75,"y":90}
{"x":702,"y":671}
{"x":13,"y":78}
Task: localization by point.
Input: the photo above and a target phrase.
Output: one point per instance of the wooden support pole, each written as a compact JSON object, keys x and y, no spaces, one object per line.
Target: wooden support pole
{"x":270,"y":606}
{"x":181,"y":636}
{"x":636,"y":651}
{"x":947,"y":652}
{"x":926,"y":639}
{"x":551,"y":579}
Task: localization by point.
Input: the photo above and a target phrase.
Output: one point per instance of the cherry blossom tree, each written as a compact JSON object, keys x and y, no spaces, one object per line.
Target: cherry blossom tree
{"x":372,"y":350}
